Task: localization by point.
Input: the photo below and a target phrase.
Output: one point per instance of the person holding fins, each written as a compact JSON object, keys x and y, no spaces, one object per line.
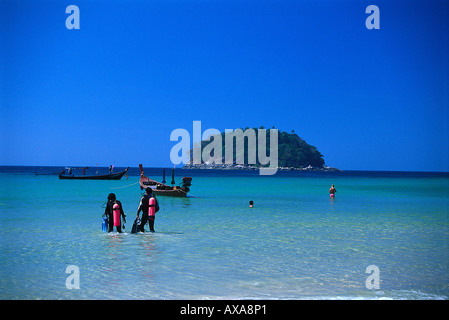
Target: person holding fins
{"x":332,"y":191}
{"x":149,"y":206}
{"x":114,"y":212}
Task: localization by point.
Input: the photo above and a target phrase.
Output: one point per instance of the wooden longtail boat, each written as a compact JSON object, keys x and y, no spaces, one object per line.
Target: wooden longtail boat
{"x":162,"y":189}
{"x":110,"y":176}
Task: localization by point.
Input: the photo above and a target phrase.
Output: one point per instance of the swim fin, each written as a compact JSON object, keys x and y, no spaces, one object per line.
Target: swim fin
{"x":105,"y":224}
{"x":136,"y":226}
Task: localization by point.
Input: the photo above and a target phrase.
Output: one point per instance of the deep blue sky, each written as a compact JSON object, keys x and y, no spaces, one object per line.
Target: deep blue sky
{"x":113,"y":91}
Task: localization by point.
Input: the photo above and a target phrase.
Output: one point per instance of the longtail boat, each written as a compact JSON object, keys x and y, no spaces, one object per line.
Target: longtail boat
{"x":161,"y":189}
{"x":110,"y":176}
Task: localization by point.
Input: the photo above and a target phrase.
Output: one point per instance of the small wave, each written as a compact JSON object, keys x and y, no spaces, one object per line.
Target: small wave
{"x":379,"y":295}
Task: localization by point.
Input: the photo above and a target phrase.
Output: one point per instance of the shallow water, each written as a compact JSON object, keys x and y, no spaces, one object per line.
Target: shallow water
{"x":295,"y":243}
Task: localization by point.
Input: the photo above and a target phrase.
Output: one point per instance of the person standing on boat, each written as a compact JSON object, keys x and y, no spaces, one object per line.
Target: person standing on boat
{"x":114,"y":211}
{"x":148,"y":210}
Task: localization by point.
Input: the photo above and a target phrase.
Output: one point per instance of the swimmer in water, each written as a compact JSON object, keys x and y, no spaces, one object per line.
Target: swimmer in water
{"x":251,"y":203}
{"x":332,"y":191}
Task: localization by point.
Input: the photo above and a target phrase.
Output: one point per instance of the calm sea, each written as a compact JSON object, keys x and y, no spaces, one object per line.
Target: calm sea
{"x":295,"y":243}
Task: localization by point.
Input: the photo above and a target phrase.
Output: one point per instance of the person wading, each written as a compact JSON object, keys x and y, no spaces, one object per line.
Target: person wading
{"x":114,"y":210}
{"x":149,"y":206}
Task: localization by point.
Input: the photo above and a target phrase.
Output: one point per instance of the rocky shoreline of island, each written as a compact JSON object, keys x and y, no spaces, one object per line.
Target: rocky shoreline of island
{"x":206,"y":166}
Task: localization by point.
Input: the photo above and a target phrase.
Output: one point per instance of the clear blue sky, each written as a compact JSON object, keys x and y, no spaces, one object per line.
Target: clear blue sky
{"x":113,"y":91}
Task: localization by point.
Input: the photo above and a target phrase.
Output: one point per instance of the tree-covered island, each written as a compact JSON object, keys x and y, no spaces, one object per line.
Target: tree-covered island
{"x":294,"y":153}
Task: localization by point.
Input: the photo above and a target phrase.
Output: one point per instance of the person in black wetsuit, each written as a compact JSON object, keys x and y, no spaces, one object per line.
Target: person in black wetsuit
{"x":108,"y":211}
{"x":144,"y":207}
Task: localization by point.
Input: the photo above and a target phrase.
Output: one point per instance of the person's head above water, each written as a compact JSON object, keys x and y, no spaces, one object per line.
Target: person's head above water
{"x":251,"y":203}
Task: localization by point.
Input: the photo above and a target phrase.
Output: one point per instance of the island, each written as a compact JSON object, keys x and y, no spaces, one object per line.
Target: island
{"x":294,"y":153}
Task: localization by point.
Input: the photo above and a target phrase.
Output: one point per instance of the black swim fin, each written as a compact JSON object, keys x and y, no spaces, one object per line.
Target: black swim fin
{"x":136,"y":226}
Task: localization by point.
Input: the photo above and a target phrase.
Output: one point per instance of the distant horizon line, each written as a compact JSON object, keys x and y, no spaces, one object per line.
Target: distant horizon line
{"x":168,"y":167}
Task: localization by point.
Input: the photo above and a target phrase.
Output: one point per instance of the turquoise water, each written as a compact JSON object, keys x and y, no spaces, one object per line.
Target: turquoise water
{"x":295,"y":243}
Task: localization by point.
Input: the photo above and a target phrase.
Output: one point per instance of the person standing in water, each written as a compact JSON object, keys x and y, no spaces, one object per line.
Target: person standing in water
{"x":149,"y":206}
{"x":114,"y":212}
{"x":332,"y":191}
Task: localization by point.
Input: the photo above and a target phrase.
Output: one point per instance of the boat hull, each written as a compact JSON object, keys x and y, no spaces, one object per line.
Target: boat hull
{"x":159,"y":188}
{"x":175,"y":192}
{"x":111,"y":176}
